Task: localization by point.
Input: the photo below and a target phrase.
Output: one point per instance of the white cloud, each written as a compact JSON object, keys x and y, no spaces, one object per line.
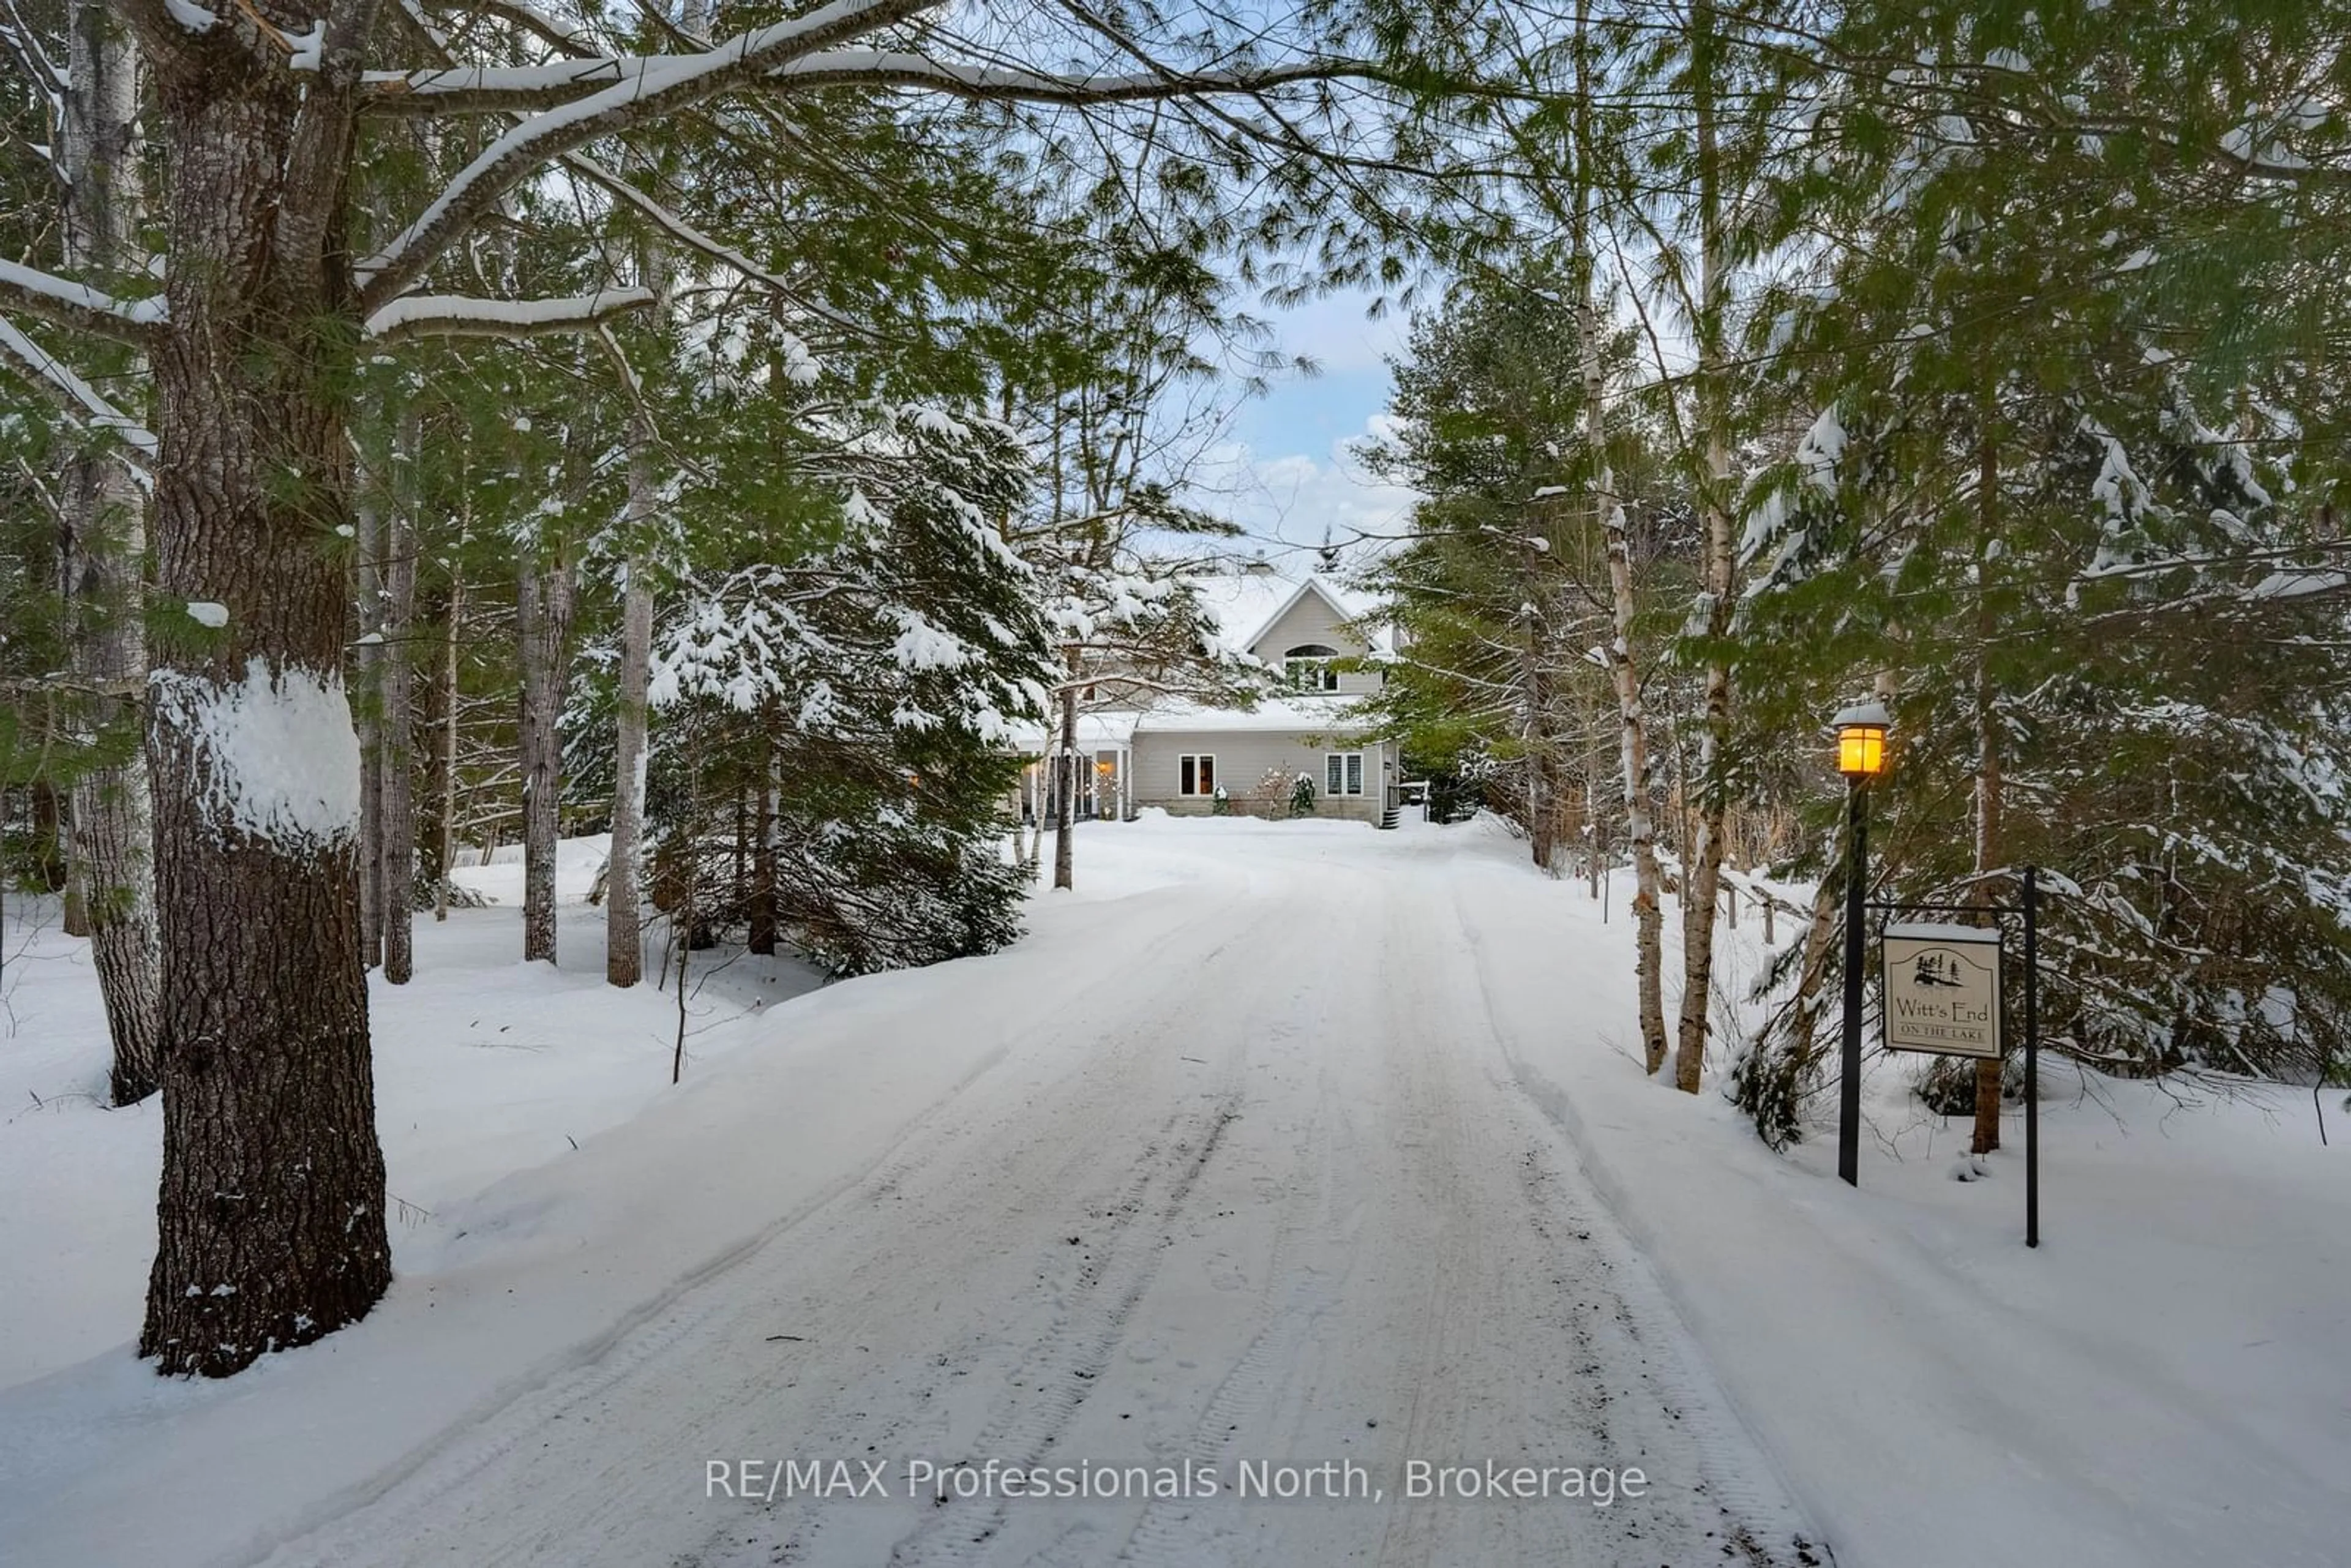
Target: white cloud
{"x":1336,"y":334}
{"x":1292,"y":501}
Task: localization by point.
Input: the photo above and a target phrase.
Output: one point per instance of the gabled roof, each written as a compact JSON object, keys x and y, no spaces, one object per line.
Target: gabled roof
{"x":1247,"y":602}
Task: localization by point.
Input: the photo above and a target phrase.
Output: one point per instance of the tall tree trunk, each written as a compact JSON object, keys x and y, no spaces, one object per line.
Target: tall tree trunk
{"x":546,"y":623}
{"x":1703,"y":872}
{"x":446,"y":834}
{"x":624,"y":930}
{"x":395,"y":672}
{"x":1631,"y":719}
{"x":1989,"y":802}
{"x":1543,"y":817}
{"x":1065,"y":782}
{"x":762,"y":936}
{"x":624,"y":913}
{"x":105,"y":561}
{"x":367,"y":541}
{"x":270,"y":1229}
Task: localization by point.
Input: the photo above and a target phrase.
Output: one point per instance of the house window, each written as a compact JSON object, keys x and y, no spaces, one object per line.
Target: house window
{"x":1343,"y":773}
{"x":1310,"y":669}
{"x":1196,"y":774}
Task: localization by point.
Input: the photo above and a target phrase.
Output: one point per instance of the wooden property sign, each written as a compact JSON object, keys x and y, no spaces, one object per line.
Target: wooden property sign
{"x":1942,"y":990}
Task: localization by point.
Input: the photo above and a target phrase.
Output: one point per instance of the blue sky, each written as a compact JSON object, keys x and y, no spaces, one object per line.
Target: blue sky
{"x":1288,"y":473}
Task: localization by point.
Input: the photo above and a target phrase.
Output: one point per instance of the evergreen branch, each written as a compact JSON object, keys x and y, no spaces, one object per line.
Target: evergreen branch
{"x":581,"y":101}
{"x":687,"y":234}
{"x":664,"y":86}
{"x":69,"y":392}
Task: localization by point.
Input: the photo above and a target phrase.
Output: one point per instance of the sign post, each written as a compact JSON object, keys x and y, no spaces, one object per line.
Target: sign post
{"x":2031,"y":1056}
{"x":1942,"y":990}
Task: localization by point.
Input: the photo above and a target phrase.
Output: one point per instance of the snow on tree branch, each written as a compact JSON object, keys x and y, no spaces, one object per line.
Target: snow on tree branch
{"x":20,"y":40}
{"x":467,"y":316}
{"x":532,"y":88}
{"x":879,"y":68}
{"x":579,"y":101}
{"x":135,"y":322}
{"x":501,"y":90}
{"x":78,"y":398}
{"x":656,"y":87}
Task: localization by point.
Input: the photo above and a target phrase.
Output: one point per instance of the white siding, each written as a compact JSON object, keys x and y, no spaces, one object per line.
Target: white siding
{"x":1312,"y":620}
{"x":1243,"y":757}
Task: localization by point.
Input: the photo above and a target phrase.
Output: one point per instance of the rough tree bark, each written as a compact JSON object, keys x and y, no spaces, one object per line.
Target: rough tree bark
{"x":368,"y":595}
{"x":1542,"y":812}
{"x":105,"y":549}
{"x":445,"y":829}
{"x":272,"y":1177}
{"x":1703,"y":874}
{"x":396,"y":676}
{"x":545,"y":630}
{"x":762,"y":935}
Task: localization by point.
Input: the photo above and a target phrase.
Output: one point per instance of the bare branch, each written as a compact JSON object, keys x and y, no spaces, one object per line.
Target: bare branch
{"x":538,"y":23}
{"x":467,"y":316}
{"x":669,"y":223}
{"x":76,"y":396}
{"x":139,"y":322}
{"x":660,"y":87}
{"x":866,"y":67}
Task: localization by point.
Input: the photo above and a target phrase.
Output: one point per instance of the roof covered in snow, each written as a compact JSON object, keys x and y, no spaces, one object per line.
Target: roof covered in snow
{"x":1247,"y":598}
{"x":1110,"y":727}
{"x":1284,"y":715}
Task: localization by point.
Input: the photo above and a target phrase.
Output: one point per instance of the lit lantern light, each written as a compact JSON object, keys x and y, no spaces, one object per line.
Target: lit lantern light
{"x":1860,"y":757}
{"x":1861,"y":740}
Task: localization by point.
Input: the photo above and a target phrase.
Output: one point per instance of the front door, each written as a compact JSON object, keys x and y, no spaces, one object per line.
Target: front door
{"x":1105,"y":785}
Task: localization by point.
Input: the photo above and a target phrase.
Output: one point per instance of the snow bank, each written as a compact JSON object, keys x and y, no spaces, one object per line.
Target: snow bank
{"x":2161,"y":1382}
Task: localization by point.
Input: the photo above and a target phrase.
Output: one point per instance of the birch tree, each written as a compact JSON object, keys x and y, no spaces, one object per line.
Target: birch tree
{"x":104,"y":510}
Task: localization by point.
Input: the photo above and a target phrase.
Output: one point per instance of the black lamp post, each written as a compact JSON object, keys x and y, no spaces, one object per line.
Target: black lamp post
{"x":1860,"y":757}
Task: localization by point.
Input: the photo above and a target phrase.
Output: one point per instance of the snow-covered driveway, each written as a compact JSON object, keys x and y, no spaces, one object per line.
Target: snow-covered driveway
{"x":1284,"y":1145}
{"x":1249,"y":1182}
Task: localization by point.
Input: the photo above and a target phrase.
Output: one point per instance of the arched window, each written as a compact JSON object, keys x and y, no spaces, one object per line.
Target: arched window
{"x":1310,"y":669}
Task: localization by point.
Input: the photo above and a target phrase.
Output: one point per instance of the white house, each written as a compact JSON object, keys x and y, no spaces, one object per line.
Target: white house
{"x":1178,"y":755}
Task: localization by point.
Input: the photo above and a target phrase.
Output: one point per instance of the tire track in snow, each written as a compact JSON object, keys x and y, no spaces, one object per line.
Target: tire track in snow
{"x":1759,"y":1520}
{"x":443,"y":1482}
{"x":1060,"y":1368}
{"x":1026,"y":1421}
{"x":1195,"y":1533}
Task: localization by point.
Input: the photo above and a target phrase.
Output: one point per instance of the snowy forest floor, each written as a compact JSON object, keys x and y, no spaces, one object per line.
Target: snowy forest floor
{"x":1287,"y":1141}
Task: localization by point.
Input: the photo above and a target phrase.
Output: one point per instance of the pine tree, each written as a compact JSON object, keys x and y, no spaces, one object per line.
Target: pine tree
{"x":2074,"y":499}
{"x":899,"y":658}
